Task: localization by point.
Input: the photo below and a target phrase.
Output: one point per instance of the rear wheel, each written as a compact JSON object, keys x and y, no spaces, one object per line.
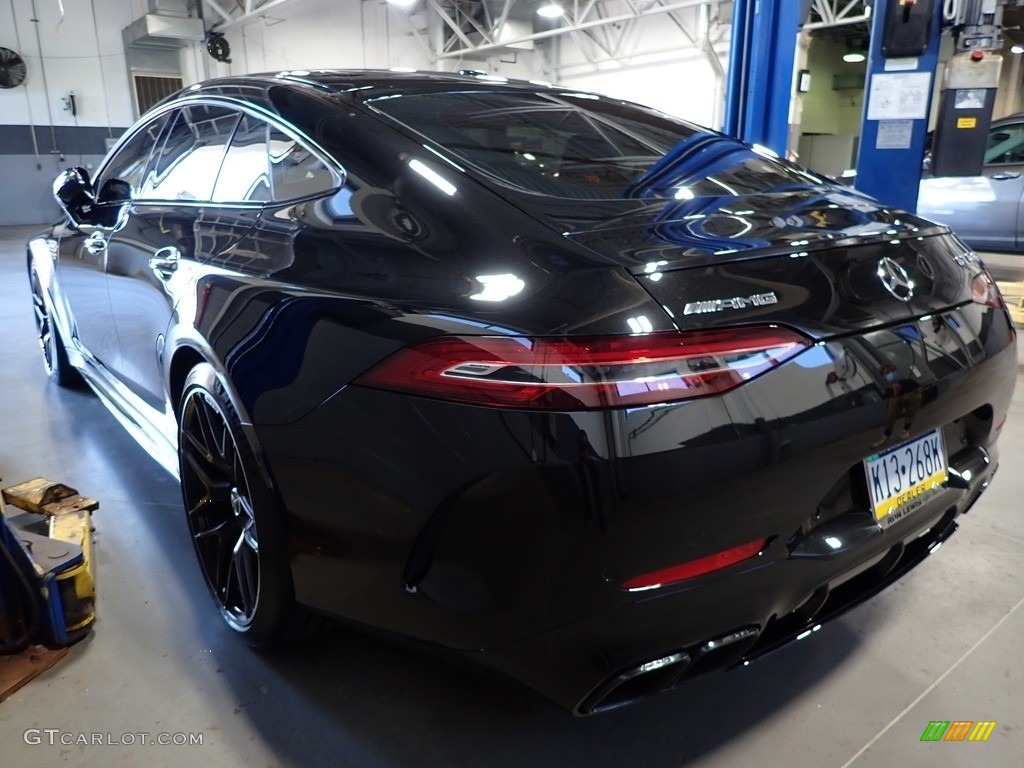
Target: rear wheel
{"x":55,"y":356}
{"x":232,"y":516}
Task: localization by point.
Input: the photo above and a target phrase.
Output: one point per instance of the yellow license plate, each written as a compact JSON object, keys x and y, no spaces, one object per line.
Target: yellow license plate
{"x":902,"y":478}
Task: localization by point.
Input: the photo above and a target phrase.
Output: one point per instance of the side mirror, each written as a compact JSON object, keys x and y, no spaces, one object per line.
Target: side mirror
{"x":74,"y":192}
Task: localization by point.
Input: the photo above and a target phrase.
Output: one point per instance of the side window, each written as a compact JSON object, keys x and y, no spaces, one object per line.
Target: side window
{"x":130,"y":161}
{"x":245,"y":172}
{"x":295,"y":171}
{"x":1005,"y":145}
{"x":186,"y":166}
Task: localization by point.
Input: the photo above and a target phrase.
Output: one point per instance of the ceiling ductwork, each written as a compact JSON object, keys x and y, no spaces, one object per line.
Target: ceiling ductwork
{"x":167,"y":25}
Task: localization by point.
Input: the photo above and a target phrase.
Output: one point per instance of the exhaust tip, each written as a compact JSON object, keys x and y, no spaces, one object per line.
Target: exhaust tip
{"x":636,"y":682}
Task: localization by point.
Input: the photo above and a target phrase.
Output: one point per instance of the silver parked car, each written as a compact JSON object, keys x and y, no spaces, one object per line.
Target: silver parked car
{"x":985,"y":211}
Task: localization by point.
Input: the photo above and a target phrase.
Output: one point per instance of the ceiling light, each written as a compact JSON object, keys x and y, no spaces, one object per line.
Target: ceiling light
{"x":1017,"y":49}
{"x":854,"y":57}
{"x":402,"y":3}
{"x":551,"y":11}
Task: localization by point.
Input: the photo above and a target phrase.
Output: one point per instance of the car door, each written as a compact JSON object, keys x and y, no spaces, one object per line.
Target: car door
{"x":169,"y":227}
{"x":83,"y":249}
{"x":984,"y":210}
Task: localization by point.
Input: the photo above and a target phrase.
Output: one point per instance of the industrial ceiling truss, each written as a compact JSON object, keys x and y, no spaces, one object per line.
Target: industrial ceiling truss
{"x":836,"y":13}
{"x":602,"y":28}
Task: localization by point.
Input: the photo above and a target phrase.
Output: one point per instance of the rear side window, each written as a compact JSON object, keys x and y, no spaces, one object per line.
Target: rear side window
{"x":245,"y":173}
{"x":580,"y":146}
{"x":296,"y":171}
{"x":186,"y":166}
{"x":130,"y":161}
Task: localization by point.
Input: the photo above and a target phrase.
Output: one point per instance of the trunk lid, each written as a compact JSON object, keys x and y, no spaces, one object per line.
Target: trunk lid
{"x":824,"y":261}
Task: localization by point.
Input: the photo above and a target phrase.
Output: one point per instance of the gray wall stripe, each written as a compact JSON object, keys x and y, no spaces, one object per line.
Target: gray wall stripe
{"x":71,"y":140}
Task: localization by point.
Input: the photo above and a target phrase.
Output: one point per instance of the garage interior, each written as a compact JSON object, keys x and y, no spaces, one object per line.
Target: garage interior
{"x":941,"y":644}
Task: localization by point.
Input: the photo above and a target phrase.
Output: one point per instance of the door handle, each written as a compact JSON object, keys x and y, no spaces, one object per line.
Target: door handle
{"x":165,"y":261}
{"x":95,"y":243}
{"x":1005,"y":176}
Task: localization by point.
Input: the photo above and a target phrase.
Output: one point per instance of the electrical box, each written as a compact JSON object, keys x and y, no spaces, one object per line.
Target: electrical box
{"x":965,"y":113}
{"x":908,"y":25}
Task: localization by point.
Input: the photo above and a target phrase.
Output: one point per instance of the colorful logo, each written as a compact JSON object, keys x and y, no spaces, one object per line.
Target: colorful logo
{"x":958,"y":730}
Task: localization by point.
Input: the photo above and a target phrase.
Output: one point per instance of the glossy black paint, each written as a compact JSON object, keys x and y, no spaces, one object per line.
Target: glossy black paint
{"x":502,"y":534}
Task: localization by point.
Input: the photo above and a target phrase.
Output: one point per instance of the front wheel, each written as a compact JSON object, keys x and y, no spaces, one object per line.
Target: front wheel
{"x":232,"y":516}
{"x":55,"y":356}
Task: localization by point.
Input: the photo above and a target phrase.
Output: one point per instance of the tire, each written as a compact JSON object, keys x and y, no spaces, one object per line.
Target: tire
{"x":51,"y":344}
{"x":234,"y":521}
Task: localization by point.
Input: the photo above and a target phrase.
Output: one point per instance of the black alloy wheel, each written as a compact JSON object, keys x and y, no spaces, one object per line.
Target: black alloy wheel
{"x":231,"y":515}
{"x":55,"y":357}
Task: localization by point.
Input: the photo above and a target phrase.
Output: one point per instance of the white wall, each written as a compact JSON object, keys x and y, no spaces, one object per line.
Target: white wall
{"x":684,"y":87}
{"x":79,"y":53}
{"x":83,"y":52}
{"x":76,"y":58}
{"x":343,"y":34}
{"x":657,"y":63}
{"x":315,"y":34}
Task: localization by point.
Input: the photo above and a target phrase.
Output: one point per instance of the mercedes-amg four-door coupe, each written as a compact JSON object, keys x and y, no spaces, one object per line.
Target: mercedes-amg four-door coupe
{"x":592,"y":395}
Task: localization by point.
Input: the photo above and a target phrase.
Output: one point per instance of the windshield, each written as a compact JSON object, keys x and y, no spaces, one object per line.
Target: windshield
{"x":583,"y":147}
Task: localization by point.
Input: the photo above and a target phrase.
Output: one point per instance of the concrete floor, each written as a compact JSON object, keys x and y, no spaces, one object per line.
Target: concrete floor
{"x":944,"y":644}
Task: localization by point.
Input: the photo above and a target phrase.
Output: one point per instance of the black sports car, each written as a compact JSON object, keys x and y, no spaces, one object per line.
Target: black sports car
{"x":593,"y":395}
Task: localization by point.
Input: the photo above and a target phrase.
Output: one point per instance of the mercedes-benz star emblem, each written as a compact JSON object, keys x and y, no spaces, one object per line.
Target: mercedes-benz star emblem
{"x":895,"y":279}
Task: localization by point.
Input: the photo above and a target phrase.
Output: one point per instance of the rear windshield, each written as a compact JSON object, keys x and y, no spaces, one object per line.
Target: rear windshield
{"x":580,"y":146}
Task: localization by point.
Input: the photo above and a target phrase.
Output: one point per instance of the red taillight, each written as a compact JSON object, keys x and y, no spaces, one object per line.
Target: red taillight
{"x":985,"y":291}
{"x":574,"y":373}
{"x":694,"y":568}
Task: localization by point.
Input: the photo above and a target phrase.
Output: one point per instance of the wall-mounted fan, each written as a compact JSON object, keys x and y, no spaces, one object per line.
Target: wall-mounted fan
{"x":217,"y":46}
{"x":12,"y":69}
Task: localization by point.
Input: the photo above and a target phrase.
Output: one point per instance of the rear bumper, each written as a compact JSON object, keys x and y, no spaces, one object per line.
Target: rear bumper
{"x":657,"y":642}
{"x":506,"y":536}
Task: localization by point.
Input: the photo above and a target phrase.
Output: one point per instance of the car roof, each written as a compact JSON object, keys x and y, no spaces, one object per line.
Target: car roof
{"x":1018,"y":117}
{"x":343,"y":80}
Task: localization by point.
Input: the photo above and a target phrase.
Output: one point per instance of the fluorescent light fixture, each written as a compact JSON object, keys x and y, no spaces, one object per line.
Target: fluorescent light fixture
{"x":763,"y":151}
{"x":498,"y":287}
{"x":639,"y":324}
{"x":551,"y":11}
{"x":433,"y":177}
{"x":854,"y":57}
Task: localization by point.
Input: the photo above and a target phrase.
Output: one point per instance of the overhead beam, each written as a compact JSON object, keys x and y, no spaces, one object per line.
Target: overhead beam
{"x":246,"y":17}
{"x":564,"y":30}
{"x":219,"y":10}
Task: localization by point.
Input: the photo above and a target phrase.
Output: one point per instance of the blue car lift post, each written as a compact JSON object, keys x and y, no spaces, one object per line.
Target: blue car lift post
{"x":893,"y":137}
{"x":760,"y":90}
{"x":759,"y":84}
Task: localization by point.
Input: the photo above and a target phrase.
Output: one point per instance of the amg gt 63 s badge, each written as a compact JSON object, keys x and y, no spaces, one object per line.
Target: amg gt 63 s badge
{"x":735,"y":302}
